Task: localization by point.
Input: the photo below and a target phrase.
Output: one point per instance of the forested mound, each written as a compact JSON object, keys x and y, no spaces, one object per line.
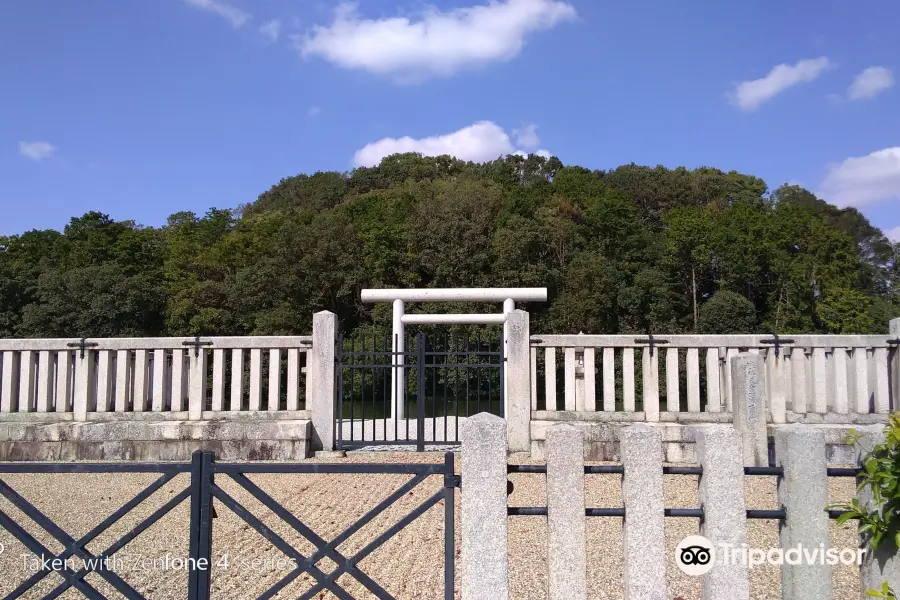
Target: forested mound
{"x":633,"y":249}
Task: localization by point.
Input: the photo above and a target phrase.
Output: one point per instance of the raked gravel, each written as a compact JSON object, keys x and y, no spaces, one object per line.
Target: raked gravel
{"x":410,"y":565}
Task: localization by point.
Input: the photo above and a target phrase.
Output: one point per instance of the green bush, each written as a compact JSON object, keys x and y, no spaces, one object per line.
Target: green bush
{"x":881,"y":475}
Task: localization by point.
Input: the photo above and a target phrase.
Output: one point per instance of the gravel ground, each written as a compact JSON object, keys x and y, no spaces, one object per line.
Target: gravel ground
{"x":409,"y":565}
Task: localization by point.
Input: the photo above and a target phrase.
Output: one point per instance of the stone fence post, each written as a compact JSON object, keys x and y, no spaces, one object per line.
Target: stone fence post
{"x":485,"y":555}
{"x":567,"y":552}
{"x":884,"y":563}
{"x":320,"y":371}
{"x":748,"y":393}
{"x":642,"y":494}
{"x":724,"y":509}
{"x":518,"y":381}
{"x":803,"y":491}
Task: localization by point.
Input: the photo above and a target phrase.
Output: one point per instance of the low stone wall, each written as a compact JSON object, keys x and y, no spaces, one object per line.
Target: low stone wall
{"x":678,"y":433}
{"x":242,"y":439}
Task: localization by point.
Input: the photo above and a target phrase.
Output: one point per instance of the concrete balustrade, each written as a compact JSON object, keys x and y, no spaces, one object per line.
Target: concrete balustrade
{"x":804,"y":376}
{"x":157,"y":375}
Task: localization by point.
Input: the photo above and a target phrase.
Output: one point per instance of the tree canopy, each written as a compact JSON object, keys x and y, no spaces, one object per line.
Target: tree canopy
{"x":633,"y":249}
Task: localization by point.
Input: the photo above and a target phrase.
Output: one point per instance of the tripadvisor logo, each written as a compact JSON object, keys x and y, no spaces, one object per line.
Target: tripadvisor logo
{"x":695,"y":555}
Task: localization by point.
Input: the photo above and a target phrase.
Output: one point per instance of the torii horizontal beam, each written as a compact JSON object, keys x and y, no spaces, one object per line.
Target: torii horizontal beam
{"x":457,"y":295}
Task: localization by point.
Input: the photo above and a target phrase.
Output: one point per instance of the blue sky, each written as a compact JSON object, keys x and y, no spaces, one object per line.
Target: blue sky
{"x":140,"y":109}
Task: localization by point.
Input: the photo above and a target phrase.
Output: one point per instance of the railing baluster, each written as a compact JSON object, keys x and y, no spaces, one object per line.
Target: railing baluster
{"x":841,"y":397}
{"x":27,"y":360}
{"x":820,"y":381}
{"x":550,"y":378}
{"x":692,"y":370}
{"x":159,"y":380}
{"x":123,"y":379}
{"x":882,"y":389}
{"x":293,"y":379}
{"x":628,"y":379}
{"x":713,"y":383}
{"x":218,"y":383}
{"x":44,"y":381}
{"x":274,"y":379}
{"x":609,"y":379}
{"x":590,"y":381}
{"x":63,"y":381}
{"x":861,"y":380}
{"x":673,"y":394}
{"x":104,"y":381}
{"x":178,"y":380}
{"x":236,"y":402}
{"x":140,"y":380}
{"x":799,"y":380}
{"x":569,"y":390}
{"x":255,"y":379}
{"x":729,"y":354}
{"x":9,"y":396}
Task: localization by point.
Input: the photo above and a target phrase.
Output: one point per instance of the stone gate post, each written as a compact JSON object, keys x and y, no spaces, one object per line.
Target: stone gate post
{"x":485,"y":555}
{"x":320,"y":371}
{"x":518,"y":381}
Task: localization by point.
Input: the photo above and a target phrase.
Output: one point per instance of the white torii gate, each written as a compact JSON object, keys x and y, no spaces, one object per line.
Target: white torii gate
{"x":508,"y":296}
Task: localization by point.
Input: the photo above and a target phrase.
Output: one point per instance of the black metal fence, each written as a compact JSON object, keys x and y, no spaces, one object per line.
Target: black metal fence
{"x":438,"y":378}
{"x":201,"y":490}
{"x":752,"y":513}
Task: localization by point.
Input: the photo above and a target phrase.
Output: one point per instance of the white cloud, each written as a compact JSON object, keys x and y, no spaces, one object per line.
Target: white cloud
{"x":36,"y":151}
{"x":527,"y":138}
{"x":232,"y":14}
{"x":271,"y":30}
{"x":893,"y":234}
{"x":434,"y":42}
{"x":864,"y":180}
{"x":870,"y":82}
{"x":480,"y":142}
{"x":313,"y":111}
{"x":748,"y":95}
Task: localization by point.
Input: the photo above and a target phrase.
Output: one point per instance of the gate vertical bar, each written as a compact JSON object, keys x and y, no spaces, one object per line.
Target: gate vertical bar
{"x":200,"y":541}
{"x":339,"y":395}
{"x":204,"y":537}
{"x":194,"y":526}
{"x":449,"y":528}
{"x":420,"y":400}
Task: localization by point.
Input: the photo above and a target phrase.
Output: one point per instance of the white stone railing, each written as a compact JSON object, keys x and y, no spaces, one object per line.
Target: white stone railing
{"x":809,"y":373}
{"x":180,"y":378}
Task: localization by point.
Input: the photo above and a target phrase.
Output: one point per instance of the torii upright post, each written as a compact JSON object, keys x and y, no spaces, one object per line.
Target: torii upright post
{"x":509,"y":297}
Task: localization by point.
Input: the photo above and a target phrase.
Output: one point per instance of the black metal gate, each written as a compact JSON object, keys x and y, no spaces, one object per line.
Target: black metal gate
{"x":439,"y":380}
{"x":75,"y":562}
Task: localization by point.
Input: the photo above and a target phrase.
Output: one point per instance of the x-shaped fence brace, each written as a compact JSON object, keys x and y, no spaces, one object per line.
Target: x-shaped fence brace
{"x":201,"y":490}
{"x":305,"y":564}
{"x":72,"y":547}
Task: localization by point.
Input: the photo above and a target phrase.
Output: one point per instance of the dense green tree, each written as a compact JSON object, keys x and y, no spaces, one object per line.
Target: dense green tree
{"x":727,"y":312}
{"x":630,"y":250}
